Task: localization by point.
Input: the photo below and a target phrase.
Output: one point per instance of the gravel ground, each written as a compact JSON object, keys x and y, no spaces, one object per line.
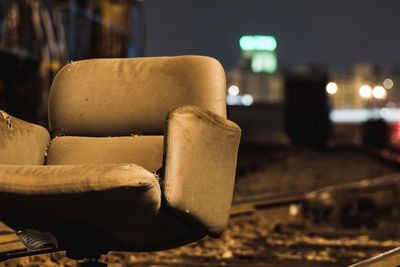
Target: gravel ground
{"x":280,"y":236}
{"x":286,"y":172}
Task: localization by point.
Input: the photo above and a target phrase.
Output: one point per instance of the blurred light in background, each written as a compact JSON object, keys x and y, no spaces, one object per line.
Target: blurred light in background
{"x":384,"y":112}
{"x":395,"y":134}
{"x":257,"y":43}
{"x":388,"y":83}
{"x":234,"y":100}
{"x":294,"y":209}
{"x":264,"y":62}
{"x":350,"y":115}
{"x":233,"y":90}
{"x":391,"y":115}
{"x":379,"y":92}
{"x":365,"y":91}
{"x":260,"y":50}
{"x":247,"y":100}
{"x":331,"y":88}
{"x":239,"y":100}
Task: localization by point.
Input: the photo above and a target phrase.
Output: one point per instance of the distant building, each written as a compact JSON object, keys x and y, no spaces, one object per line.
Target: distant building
{"x":363,"y":87}
{"x":255,"y":79}
{"x":262,"y":87}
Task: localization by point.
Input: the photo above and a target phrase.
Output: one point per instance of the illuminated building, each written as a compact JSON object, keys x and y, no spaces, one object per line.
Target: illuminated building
{"x":256,"y":75}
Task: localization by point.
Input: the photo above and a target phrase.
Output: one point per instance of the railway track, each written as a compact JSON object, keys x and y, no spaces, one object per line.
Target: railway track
{"x":333,"y":224}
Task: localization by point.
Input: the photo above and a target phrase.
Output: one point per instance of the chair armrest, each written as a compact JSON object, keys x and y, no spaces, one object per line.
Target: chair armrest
{"x":200,"y":165}
{"x":21,"y":142}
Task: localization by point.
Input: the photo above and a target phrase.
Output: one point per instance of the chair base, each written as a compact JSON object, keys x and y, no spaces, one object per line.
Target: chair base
{"x":91,"y":263}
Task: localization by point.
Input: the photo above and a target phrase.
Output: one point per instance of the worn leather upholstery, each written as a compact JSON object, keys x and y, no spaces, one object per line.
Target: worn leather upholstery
{"x":113,"y":199}
{"x":201,"y":151}
{"x":146,"y":151}
{"x":102,"y":97}
{"x":21,"y":142}
{"x":103,"y":186}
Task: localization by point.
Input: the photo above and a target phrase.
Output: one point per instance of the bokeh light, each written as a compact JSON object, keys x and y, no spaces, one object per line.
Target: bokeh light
{"x":233,"y":90}
{"x":379,"y":92}
{"x":247,"y":100}
{"x":388,"y":83}
{"x":331,"y":88}
{"x":365,"y":91}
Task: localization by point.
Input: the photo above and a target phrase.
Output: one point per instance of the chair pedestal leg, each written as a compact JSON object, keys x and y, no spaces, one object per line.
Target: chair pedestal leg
{"x":91,"y":263}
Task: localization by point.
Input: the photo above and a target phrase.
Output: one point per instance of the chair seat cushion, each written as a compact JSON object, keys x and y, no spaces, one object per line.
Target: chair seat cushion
{"x":96,"y":197}
{"x":146,"y":151}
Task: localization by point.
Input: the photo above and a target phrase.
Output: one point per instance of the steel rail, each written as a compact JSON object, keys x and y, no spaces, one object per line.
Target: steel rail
{"x":390,"y":258}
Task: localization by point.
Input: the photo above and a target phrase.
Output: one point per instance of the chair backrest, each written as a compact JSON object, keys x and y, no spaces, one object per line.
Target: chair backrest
{"x":116,"y":97}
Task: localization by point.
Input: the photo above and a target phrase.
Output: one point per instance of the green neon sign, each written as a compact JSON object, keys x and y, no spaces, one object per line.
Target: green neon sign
{"x":258,"y":43}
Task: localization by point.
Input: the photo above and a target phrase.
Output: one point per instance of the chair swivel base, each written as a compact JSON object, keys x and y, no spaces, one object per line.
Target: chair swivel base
{"x":92,"y":263}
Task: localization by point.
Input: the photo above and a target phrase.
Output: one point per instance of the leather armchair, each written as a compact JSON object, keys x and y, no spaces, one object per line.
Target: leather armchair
{"x":140,"y":157}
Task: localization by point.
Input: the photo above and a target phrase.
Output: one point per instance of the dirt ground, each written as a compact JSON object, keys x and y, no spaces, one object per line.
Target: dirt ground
{"x":281,"y":236}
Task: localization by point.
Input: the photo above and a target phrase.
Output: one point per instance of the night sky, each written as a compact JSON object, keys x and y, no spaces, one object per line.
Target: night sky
{"x":337,"y":33}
